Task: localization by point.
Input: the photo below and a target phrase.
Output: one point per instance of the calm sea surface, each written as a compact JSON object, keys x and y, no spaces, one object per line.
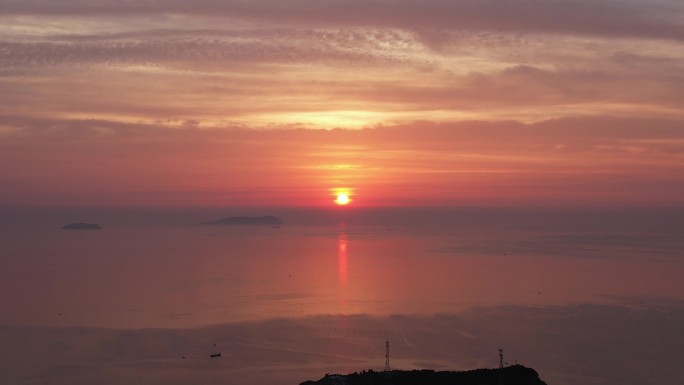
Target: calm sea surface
{"x":592,"y":297}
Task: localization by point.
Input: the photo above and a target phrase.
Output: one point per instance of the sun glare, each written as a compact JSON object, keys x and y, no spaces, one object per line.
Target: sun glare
{"x":342,"y":199}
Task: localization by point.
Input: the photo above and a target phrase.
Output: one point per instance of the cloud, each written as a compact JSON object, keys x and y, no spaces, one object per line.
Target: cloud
{"x":262,"y":92}
{"x":631,"y":19}
{"x":256,"y":70}
{"x":161,"y":75}
{"x":193,"y":49}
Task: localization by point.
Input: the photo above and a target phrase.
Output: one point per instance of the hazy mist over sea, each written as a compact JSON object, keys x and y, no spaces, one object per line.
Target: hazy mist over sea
{"x":585,"y":296}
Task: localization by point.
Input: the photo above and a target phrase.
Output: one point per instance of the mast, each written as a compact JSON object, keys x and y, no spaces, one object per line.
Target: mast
{"x":387,"y":364}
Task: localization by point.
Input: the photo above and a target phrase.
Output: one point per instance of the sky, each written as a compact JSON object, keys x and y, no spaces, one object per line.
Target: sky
{"x":288,"y":102}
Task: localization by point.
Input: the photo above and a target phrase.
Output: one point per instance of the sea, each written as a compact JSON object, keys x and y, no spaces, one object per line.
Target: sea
{"x":582,"y":295}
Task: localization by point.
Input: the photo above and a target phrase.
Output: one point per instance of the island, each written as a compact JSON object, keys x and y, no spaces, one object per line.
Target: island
{"x":509,"y":375}
{"x":246,"y":221}
{"x":82,"y":226}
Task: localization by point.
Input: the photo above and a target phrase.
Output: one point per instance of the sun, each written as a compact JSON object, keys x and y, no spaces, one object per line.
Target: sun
{"x":342,"y":196}
{"x":342,"y":199}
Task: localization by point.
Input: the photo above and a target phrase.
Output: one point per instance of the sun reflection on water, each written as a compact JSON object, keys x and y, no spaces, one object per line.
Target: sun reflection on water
{"x":342,"y":256}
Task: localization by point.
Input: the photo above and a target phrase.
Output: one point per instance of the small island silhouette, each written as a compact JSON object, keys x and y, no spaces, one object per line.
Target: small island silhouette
{"x":246,"y":221}
{"x":82,"y":226}
{"x":509,"y":375}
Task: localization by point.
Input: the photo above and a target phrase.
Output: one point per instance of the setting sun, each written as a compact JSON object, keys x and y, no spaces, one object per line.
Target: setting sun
{"x":342,"y":199}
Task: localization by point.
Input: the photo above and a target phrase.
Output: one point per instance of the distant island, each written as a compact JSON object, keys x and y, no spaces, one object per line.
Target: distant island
{"x":82,"y":226}
{"x":510,"y":375}
{"x":246,"y":221}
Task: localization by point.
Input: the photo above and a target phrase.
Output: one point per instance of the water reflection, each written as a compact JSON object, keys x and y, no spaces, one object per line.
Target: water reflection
{"x":342,"y":255}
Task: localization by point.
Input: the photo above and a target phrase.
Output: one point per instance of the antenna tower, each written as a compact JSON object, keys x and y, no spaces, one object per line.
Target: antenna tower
{"x":501,"y":362}
{"x":387,"y":365}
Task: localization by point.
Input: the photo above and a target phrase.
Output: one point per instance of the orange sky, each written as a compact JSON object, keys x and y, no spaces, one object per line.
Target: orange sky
{"x":281,"y":103}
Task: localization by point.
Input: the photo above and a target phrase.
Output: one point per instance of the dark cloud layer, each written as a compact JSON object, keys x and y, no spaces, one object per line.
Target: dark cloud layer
{"x":617,"y":18}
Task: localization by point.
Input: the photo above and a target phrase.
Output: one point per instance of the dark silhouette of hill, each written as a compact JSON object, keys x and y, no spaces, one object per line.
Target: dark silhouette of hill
{"x":510,"y":375}
{"x":82,"y":226}
{"x":246,"y":221}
